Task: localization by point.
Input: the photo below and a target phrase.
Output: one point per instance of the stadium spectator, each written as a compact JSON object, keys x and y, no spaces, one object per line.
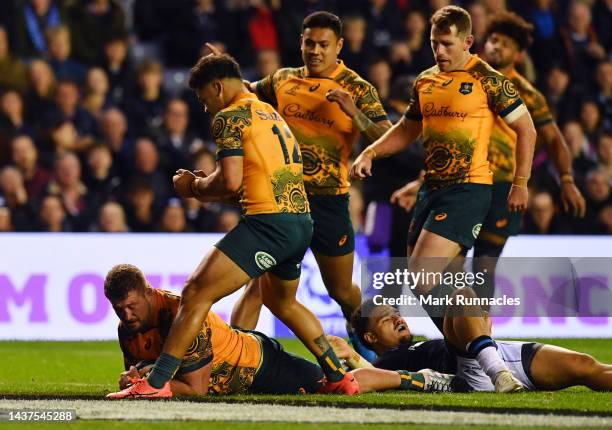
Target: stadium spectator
{"x":147,"y":168}
{"x":119,"y":69}
{"x":602,"y":17}
{"x":63,"y":66}
{"x":52,"y":216}
{"x":96,"y":97}
{"x":384,"y":24}
{"x":114,"y":135}
{"x":604,"y":150}
{"x":151,"y":18}
{"x":67,"y":185}
{"x":546,"y":47}
{"x":177,"y":143}
{"x":603,"y":93}
{"x":597,"y":191}
{"x":112,"y":219}
{"x":196,"y":22}
{"x":560,"y":97}
{"x":581,"y":45}
{"x":12,"y":69}
{"x":590,"y":119}
{"x":14,"y":196}
{"x":228,"y":219}
{"x":141,"y":214}
{"x":355,"y":52}
{"x":39,"y":99}
{"x":93,"y":23}
{"x":173,"y":218}
{"x":582,"y":152}
{"x":262,"y":28}
{"x":144,"y":110}
{"x":100,"y":178}
{"x":542,"y":217}
{"x":478,"y":12}
{"x":66,"y":109}
{"x":605,"y":219}
{"x":267,"y":62}
{"x":12,"y":119}
{"x":24,"y":156}
{"x":31,"y":21}
{"x":379,"y":74}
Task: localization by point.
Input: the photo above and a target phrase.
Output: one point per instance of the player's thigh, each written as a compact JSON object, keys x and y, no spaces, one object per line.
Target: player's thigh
{"x":554,"y":368}
{"x":333,"y":233}
{"x":336,"y":272}
{"x":216,"y":276}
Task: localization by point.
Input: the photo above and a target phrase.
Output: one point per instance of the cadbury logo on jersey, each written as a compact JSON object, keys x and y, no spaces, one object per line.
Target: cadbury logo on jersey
{"x":294,"y":110}
{"x":430,"y":109}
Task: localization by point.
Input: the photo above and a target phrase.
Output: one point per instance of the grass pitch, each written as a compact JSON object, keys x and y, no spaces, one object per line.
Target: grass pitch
{"x":89,"y":370}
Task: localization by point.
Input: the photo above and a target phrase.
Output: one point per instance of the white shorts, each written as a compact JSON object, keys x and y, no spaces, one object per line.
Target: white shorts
{"x":516,"y":355}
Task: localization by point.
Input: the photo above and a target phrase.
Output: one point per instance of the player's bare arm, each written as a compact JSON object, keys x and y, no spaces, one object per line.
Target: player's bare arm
{"x":525,"y":144}
{"x":193,"y":383}
{"x":406,"y":196}
{"x":371,"y":131}
{"x":393,"y":141}
{"x":557,"y":149}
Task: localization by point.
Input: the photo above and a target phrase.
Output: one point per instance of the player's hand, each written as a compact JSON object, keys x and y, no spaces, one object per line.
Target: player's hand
{"x":341,"y":348}
{"x":517,"y":199}
{"x":182,"y":182}
{"x":200,"y":173}
{"x":213,"y":49}
{"x":128,"y":377}
{"x":406,"y":196}
{"x":362,"y":166}
{"x":573,"y":199}
{"x":344,"y":100}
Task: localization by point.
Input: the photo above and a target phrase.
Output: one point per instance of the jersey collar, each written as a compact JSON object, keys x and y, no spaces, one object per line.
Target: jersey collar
{"x":244,"y":96}
{"x":339,"y":67}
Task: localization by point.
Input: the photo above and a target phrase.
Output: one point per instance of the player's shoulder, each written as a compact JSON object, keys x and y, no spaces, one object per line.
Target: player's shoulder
{"x":481,"y":70}
{"x":349,"y":77}
{"x":238,"y":113}
{"x":287,"y":73}
{"x":433,"y":70}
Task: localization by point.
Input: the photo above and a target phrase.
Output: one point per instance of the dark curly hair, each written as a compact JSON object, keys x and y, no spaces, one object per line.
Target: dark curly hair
{"x":511,"y":25}
{"x":213,"y":67}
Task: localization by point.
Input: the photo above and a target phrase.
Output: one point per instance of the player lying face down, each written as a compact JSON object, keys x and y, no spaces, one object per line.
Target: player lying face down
{"x":537,"y":366}
{"x":222,"y":360}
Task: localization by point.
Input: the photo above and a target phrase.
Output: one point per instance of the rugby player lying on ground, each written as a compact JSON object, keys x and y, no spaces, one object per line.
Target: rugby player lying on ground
{"x":222,"y":360}
{"x":535,"y":365}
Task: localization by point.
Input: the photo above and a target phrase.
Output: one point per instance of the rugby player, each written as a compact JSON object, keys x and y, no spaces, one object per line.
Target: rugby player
{"x":454,"y":105}
{"x":328,"y":108}
{"x":222,"y":360}
{"x":508,"y":35}
{"x":259,"y":159}
{"x":537,"y":366}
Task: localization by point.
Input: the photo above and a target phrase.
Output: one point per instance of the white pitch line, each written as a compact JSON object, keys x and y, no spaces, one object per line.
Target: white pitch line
{"x":192,"y":411}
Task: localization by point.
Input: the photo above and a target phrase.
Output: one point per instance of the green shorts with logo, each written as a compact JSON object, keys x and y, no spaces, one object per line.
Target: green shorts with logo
{"x":455,"y":212}
{"x":333,"y":230}
{"x":274,"y":243}
{"x":499,"y":223}
{"x":282,"y":372}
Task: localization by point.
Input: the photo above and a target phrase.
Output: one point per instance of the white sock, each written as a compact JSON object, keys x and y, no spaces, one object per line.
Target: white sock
{"x":491,"y":362}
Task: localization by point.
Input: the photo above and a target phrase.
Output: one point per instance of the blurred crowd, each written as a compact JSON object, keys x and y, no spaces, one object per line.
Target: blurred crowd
{"x":95,"y":116}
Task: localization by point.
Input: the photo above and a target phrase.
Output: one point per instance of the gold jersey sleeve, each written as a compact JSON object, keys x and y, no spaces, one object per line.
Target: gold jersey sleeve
{"x":272,"y":162}
{"x":458,"y":110}
{"x":326,"y":135}
{"x":503,"y":139}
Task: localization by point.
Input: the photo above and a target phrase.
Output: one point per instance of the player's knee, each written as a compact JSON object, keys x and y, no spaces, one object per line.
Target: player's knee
{"x":584,"y":365}
{"x":341,"y":295}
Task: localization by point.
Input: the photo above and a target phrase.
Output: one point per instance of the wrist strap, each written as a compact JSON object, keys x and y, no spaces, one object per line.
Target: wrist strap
{"x":567,"y":178}
{"x":520,"y":181}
